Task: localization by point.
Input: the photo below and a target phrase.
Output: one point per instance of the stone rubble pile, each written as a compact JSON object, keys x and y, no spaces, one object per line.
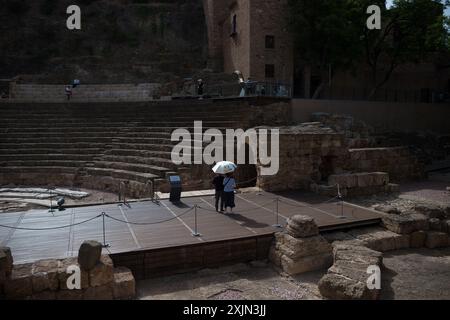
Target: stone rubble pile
{"x":427,"y":224}
{"x":300,"y":248}
{"x":47,"y":279}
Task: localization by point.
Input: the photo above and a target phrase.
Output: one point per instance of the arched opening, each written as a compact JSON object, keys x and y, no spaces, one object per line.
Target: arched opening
{"x":247,"y":174}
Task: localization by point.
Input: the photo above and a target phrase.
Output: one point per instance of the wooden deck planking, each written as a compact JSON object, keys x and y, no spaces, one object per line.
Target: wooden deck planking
{"x":168,"y":226}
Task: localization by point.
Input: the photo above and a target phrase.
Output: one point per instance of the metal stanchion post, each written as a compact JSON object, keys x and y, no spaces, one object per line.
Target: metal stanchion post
{"x":196,"y":234}
{"x":105,"y":245}
{"x":277,"y":224}
{"x":51,"y":210}
{"x":342,"y":202}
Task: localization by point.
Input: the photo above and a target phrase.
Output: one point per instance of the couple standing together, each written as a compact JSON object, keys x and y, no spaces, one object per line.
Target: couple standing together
{"x":225,"y":186}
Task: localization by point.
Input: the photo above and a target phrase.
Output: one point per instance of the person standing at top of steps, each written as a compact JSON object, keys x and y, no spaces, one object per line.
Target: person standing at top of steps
{"x":200,"y":86}
{"x":76,"y":83}
{"x":218,"y":185}
{"x":68,"y":92}
{"x":229,"y":185}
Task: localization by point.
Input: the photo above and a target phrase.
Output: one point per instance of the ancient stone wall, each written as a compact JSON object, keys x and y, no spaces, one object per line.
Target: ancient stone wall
{"x":48,"y":279}
{"x":308,"y":153}
{"x":397,"y":161}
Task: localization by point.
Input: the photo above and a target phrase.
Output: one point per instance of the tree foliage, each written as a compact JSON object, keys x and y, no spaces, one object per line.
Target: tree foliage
{"x":334,"y":33}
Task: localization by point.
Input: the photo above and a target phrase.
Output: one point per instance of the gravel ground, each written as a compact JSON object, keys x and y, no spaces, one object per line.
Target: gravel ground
{"x":408,"y":274}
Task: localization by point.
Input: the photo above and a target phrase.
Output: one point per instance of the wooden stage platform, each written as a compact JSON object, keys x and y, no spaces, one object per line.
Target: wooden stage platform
{"x":154,"y":226}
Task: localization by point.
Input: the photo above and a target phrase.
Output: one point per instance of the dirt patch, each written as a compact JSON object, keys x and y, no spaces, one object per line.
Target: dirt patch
{"x":239,"y":282}
{"x":416,"y":274}
{"x":408,"y":274}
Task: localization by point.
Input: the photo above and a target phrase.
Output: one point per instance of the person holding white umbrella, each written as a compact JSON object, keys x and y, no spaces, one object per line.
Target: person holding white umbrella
{"x":229,"y":183}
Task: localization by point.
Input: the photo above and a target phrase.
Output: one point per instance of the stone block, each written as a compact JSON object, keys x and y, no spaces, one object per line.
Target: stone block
{"x":45,"y":275}
{"x":102,"y":273}
{"x":19,"y":286}
{"x":89,"y":254}
{"x":417,"y":239}
{"x":436,"y":239}
{"x":364,"y":180}
{"x":343,"y":180}
{"x":338,"y":287}
{"x":381,"y":240}
{"x":393,"y":188}
{"x":380,"y":178}
{"x":124,"y":286}
{"x":300,"y":248}
{"x":306,"y":264}
{"x":435,"y":224}
{"x":300,"y":226}
{"x":405,"y":223}
{"x":6,"y":261}
{"x":103,"y":292}
{"x":347,"y":278}
{"x":431,"y":211}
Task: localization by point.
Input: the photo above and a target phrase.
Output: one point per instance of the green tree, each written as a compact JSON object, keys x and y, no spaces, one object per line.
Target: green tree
{"x":334,"y":33}
{"x":325,"y":35}
{"x":413,"y":31}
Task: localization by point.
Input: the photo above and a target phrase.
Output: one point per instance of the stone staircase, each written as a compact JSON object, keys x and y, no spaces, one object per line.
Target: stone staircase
{"x":100,"y":145}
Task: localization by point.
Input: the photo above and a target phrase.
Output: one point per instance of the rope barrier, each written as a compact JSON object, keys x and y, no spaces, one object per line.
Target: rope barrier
{"x":149,"y":223}
{"x":52,"y":228}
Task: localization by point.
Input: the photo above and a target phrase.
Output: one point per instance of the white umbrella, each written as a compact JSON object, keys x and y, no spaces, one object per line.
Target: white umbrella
{"x":224,"y":167}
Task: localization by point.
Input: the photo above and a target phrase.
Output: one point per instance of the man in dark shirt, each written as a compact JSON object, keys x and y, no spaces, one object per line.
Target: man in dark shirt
{"x":218,"y":184}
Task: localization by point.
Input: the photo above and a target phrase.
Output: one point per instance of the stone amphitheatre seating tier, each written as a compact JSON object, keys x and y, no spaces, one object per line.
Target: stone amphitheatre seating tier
{"x":98,"y":145}
{"x":90,"y":92}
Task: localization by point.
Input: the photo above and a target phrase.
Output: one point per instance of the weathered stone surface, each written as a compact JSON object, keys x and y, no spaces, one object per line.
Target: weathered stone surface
{"x":306,"y":264}
{"x":89,"y":254}
{"x":298,"y":255}
{"x":45,"y":275}
{"x":418,"y":239}
{"x":347,"y":278}
{"x":300,"y":226}
{"x":302,"y":247}
{"x":379,"y":239}
{"x":103,"y":292}
{"x":63,"y":275}
{"x":446,"y":226}
{"x":431,"y":210}
{"x":124,"y":286}
{"x":436,"y":239}
{"x":102,"y":273}
{"x":19,"y":285}
{"x":6,"y":261}
{"x":435,"y":224}
{"x":405,"y":223}
{"x":387,"y":209}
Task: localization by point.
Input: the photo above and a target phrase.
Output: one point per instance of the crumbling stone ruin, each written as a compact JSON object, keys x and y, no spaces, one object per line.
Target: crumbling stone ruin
{"x":349,"y":254}
{"x":300,"y":249}
{"x":316,"y":157}
{"x":47,"y":279}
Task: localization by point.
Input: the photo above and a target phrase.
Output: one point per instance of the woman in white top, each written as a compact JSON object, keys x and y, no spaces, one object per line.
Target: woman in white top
{"x":229,"y":185}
